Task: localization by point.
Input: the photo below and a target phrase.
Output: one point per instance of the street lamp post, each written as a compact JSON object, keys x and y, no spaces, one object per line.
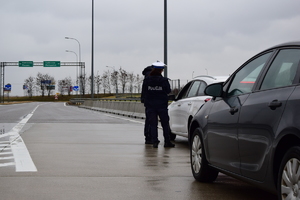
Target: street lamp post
{"x":76,"y":67}
{"x":92,"y":59}
{"x":81,"y":81}
{"x":165,"y":41}
{"x":78,"y":44}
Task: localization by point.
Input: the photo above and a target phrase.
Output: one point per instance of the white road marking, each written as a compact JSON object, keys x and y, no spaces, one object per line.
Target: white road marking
{"x":128,"y":119}
{"x":5,"y":153}
{"x":6,"y":158}
{"x":124,"y":118}
{"x":23,"y":161}
{"x":7,"y":164}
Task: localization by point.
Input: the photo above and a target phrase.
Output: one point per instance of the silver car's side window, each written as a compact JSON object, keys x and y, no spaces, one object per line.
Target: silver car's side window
{"x":201,"y":89}
{"x":245,"y":78}
{"x":194,"y":89}
{"x":184,"y":92}
{"x":283,"y":69}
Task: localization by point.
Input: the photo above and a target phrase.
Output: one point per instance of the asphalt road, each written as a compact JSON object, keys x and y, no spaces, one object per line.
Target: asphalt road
{"x":53,"y":151}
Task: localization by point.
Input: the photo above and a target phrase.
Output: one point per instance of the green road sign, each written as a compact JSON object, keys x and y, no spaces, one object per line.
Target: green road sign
{"x":25,"y":63}
{"x":51,"y":63}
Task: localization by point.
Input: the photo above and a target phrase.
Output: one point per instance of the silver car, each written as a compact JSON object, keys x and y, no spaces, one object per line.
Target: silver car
{"x":188,"y":102}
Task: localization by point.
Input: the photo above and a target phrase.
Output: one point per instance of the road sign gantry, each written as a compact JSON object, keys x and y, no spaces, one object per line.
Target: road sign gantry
{"x":38,"y":64}
{"x":41,"y":64}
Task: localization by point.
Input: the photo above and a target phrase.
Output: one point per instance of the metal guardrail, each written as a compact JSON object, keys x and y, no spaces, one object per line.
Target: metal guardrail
{"x":136,"y":99}
{"x":81,"y":100}
{"x":130,"y":108}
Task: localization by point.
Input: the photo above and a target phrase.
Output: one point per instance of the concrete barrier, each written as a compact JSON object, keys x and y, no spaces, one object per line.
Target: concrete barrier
{"x":125,"y":108}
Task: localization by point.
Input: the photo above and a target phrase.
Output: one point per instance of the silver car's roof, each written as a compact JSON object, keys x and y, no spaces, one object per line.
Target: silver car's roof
{"x":211,"y":79}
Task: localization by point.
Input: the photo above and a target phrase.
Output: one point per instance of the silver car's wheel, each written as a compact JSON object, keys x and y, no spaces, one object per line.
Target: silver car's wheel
{"x":200,"y":168}
{"x":196,"y":154}
{"x":289,"y":175}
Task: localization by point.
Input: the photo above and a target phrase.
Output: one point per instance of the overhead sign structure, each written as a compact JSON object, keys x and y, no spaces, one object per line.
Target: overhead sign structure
{"x":25,"y":63}
{"x":51,"y":63}
{"x":81,"y":65}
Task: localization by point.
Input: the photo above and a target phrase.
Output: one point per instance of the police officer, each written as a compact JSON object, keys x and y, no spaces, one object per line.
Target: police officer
{"x":155,"y":92}
{"x":148,"y":139}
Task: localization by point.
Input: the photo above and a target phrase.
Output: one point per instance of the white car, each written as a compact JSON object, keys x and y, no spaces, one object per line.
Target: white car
{"x":188,"y":101}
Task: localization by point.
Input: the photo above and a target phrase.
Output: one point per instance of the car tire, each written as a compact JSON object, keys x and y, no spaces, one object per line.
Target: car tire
{"x":201,"y":170}
{"x":288,"y":183}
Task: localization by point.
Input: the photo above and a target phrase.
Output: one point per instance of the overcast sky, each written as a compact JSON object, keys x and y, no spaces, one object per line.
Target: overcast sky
{"x":204,"y":36}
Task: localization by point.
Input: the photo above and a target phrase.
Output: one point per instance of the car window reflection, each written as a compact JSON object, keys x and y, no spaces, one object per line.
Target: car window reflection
{"x":244,"y":79}
{"x":283,"y":69}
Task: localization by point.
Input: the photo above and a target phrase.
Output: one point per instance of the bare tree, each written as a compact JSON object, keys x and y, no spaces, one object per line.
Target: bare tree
{"x":123,"y":75}
{"x":29,"y":84}
{"x":114,"y":79}
{"x":39,"y":83}
{"x":69,"y":83}
{"x":45,"y":82}
{"x":138,"y":83}
{"x":98,"y":82}
{"x":83,"y":80}
{"x":131,"y":80}
{"x":64,"y":86}
{"x":88,"y":84}
{"x":106,"y":81}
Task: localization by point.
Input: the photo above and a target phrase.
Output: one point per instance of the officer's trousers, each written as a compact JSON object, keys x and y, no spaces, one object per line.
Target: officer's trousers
{"x":153,"y":114}
{"x":147,"y":128}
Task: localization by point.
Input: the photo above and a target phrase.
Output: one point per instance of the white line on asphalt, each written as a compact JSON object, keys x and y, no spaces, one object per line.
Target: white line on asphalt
{"x":5,"y":153}
{"x":127,"y":119}
{"x":7,"y":158}
{"x":6,"y":148}
{"x":7,"y":164}
{"x":4,"y":135}
{"x":113,"y":116}
{"x":22,"y":157}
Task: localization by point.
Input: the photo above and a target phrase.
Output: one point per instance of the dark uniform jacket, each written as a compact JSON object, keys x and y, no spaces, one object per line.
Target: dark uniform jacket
{"x":146,"y":73}
{"x":155,"y":92}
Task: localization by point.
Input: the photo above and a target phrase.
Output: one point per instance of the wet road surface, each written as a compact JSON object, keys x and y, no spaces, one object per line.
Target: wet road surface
{"x":83,"y":154}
